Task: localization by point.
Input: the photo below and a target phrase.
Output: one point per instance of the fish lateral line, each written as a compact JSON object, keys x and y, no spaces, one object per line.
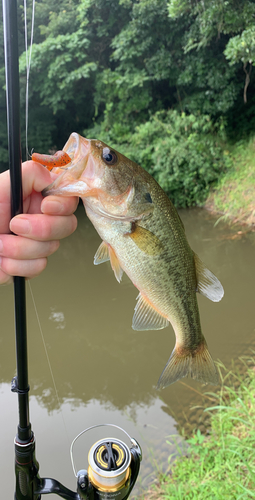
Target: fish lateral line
{"x":59,"y":159}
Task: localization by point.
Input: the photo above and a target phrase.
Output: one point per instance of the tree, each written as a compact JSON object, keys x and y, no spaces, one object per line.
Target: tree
{"x":72,"y":51}
{"x":105,"y":67}
{"x":230,"y":20}
{"x":242,"y":48}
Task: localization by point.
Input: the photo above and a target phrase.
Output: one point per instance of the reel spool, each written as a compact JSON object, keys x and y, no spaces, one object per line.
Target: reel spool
{"x":113,"y":468}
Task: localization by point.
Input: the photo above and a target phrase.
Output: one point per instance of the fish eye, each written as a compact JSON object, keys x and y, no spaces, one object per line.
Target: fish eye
{"x":109,"y":156}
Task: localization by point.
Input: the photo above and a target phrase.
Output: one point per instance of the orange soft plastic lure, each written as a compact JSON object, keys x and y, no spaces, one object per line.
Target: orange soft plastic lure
{"x":59,"y":159}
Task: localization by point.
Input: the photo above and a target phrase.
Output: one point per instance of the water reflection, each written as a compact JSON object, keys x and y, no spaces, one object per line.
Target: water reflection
{"x":103,"y":370}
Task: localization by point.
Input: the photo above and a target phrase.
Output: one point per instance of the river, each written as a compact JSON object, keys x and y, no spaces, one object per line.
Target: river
{"x":104,"y":371}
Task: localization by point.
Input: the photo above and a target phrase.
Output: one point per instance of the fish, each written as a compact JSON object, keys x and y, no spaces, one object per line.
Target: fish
{"x":142,"y":235}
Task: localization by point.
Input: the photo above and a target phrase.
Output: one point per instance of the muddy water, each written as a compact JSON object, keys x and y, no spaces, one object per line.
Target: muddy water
{"x":103,"y":370}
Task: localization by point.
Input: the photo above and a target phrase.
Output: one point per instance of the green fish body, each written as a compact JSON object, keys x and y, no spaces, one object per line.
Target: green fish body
{"x":143,"y":236}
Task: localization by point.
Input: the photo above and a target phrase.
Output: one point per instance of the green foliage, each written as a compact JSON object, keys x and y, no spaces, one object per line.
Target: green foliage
{"x":220,"y":466}
{"x":241,"y":47}
{"x":210,"y":19}
{"x":143,"y":63}
{"x":227,"y":21}
{"x":235,"y":193}
{"x":197,"y":438}
{"x":112,"y":65}
{"x":182,"y":152}
{"x":71,"y":50}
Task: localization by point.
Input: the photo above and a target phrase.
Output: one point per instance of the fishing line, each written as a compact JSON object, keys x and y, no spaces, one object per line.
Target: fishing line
{"x":204,"y":395}
{"x":28,"y":66}
{"x":28,"y":62}
{"x":48,"y":359}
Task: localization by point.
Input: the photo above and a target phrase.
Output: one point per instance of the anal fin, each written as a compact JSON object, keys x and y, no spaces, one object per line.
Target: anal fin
{"x":146,"y":317}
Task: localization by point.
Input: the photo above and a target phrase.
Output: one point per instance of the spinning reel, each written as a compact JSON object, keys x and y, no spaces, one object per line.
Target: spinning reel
{"x":112,"y":471}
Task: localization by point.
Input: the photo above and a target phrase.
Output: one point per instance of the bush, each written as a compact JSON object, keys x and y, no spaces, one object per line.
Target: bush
{"x":184,"y":153}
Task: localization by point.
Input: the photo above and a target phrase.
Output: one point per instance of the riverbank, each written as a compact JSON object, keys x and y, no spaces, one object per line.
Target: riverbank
{"x":234,"y":197}
{"x":221,"y":465}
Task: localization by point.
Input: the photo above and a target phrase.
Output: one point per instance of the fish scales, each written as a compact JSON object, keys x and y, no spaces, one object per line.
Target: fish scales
{"x":158,"y":275}
{"x":143,"y":236}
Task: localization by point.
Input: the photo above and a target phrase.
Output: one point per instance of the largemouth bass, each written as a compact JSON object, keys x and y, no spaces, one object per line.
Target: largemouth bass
{"x":143,"y":236}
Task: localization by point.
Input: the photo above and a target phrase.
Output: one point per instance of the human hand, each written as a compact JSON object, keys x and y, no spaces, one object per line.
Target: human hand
{"x":44,"y":222}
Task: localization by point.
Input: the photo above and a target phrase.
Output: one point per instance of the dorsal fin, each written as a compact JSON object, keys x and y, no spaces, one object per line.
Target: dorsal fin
{"x":207,"y":284}
{"x":146,"y":317}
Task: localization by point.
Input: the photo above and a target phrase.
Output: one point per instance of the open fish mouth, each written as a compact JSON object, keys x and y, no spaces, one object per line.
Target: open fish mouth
{"x":77,"y":147}
{"x":68,"y":181}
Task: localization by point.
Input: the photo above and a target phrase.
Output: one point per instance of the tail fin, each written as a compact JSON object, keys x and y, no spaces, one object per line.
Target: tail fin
{"x":199,"y":366}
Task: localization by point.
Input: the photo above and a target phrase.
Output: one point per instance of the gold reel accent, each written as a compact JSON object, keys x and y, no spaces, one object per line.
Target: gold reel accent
{"x":102,"y":456}
{"x":109,"y":464}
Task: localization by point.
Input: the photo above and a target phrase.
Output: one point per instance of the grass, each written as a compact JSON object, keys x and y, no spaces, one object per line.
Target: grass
{"x":234,"y":197}
{"x":220,"y":466}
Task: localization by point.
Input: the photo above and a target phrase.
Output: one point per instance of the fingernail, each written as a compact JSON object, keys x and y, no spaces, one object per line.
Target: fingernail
{"x":51,"y":207}
{"x":1,"y":246}
{"x":20,"y":225}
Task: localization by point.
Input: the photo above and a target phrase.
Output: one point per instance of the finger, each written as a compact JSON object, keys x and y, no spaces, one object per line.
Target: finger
{"x":5,"y":206}
{"x":34,"y":178}
{"x":25,"y":268}
{"x":5,"y":279}
{"x":32,"y":204}
{"x":20,"y":248}
{"x":56,"y":205}
{"x":43,"y":227}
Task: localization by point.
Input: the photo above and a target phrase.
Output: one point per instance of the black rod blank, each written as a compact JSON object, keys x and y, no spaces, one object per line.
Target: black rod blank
{"x":13,"y":124}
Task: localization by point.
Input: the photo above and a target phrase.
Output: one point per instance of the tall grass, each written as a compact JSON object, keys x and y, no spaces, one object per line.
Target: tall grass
{"x":234,"y":196}
{"x":220,"y":466}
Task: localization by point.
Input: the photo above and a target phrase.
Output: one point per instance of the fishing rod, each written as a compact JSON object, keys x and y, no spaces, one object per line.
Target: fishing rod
{"x":25,"y":461}
{"x":113,"y":466}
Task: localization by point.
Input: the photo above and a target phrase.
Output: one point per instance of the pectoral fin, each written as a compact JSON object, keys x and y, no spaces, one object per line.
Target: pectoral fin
{"x":146,"y":317}
{"x":118,"y":271}
{"x":207,"y":284}
{"x":102,"y":254}
{"x":146,"y":240}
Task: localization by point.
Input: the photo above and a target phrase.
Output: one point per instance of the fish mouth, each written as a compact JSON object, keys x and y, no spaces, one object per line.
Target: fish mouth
{"x":68,"y":183}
